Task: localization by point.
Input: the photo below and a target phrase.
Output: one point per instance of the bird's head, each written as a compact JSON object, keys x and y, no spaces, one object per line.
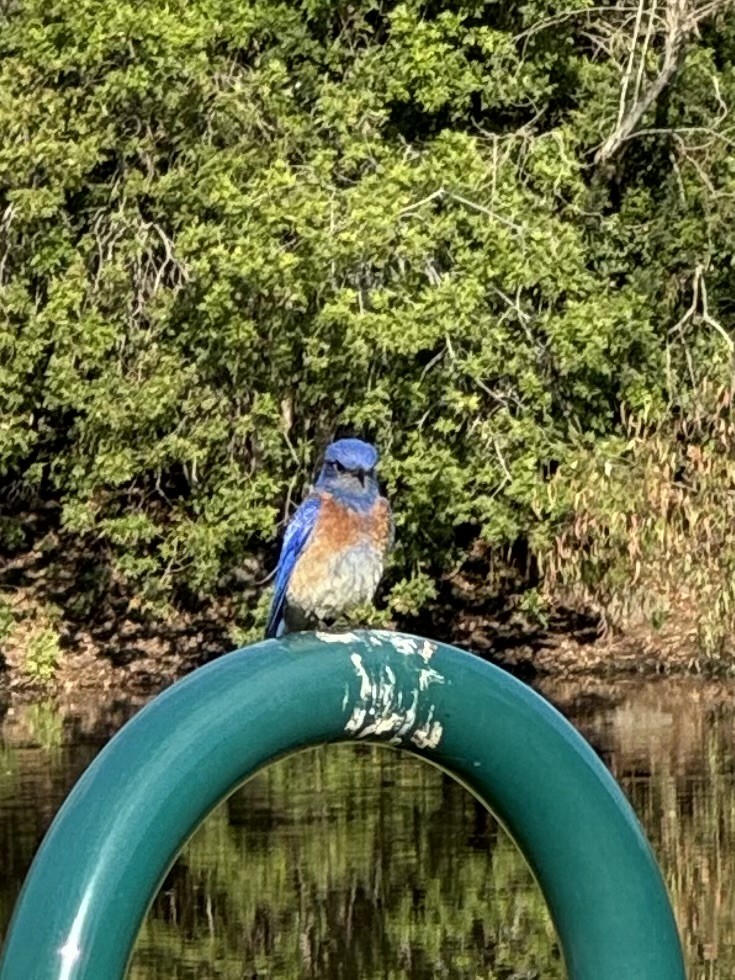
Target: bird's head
{"x":349,"y":467}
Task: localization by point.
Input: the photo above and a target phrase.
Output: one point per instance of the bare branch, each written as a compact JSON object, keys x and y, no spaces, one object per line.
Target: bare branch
{"x":631,"y":63}
{"x":441,"y":193}
{"x":483,"y":210}
{"x":435,"y":195}
{"x":5,"y":223}
{"x":644,"y":52}
{"x":681,"y":24}
{"x":699,"y":307}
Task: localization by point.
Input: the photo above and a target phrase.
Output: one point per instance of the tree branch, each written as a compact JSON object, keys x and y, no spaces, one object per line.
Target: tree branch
{"x":681,"y":24}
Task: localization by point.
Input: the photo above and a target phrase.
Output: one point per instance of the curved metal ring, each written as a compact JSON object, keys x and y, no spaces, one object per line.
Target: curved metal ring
{"x":122,"y":826}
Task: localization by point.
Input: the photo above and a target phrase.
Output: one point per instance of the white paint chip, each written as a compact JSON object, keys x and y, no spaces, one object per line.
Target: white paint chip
{"x":366,"y":688}
{"x":428,"y":676}
{"x":337,"y":637}
{"x":428,"y":650}
{"x":403,"y":644}
{"x":428,"y":737}
{"x":382,"y":710}
{"x":356,"y":720}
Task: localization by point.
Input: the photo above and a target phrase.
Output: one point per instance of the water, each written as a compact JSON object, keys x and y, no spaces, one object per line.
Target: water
{"x":360,"y":862}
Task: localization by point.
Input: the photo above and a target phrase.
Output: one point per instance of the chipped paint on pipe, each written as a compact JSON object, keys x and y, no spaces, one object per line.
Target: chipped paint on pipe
{"x":123,"y":824}
{"x":383,"y":708}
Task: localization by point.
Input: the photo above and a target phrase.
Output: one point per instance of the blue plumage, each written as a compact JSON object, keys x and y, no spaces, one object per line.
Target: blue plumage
{"x":352,"y":455}
{"x":335,"y":545}
{"x":297,"y":534}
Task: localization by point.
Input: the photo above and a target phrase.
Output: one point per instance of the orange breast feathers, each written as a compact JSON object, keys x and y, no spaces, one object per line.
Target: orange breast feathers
{"x":339,"y":528}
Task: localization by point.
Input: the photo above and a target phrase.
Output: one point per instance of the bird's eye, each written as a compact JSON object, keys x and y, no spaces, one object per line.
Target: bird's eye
{"x":339,"y":467}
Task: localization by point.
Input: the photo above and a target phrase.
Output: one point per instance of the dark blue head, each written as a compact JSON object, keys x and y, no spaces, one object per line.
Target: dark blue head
{"x":349,"y":471}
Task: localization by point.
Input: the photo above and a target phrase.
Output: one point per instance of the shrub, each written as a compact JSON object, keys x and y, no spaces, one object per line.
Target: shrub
{"x":231,"y":231}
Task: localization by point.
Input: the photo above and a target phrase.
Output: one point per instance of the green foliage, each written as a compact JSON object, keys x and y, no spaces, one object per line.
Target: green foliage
{"x":7,"y":619}
{"x":230,"y":231}
{"x":42,"y":654}
{"x":409,"y":595}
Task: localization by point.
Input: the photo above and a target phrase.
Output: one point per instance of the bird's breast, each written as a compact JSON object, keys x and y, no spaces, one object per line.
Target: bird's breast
{"x":343,"y":560}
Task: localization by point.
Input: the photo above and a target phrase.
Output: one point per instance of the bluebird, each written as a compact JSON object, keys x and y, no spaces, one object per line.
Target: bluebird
{"x":336,"y":543}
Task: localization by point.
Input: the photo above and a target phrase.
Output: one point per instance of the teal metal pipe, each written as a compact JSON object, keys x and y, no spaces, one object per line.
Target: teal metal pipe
{"x":123,"y":824}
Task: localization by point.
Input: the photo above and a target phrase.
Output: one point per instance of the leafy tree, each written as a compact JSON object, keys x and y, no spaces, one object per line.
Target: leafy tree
{"x":486,"y":235}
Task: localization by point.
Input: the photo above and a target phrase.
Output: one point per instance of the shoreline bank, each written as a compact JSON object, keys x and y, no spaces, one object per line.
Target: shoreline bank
{"x":143,"y":663}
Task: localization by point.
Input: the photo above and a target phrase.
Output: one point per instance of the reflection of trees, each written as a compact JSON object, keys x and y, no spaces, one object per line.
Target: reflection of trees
{"x":357,"y":862}
{"x":348,"y":862}
{"x":40,"y":760}
{"x":686,"y":801}
{"x":671,"y":746}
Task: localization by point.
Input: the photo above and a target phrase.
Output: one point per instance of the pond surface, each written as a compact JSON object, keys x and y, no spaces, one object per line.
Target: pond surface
{"x":360,"y":862}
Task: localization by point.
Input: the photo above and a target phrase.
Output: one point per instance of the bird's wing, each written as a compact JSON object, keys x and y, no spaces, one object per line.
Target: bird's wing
{"x":297,"y":534}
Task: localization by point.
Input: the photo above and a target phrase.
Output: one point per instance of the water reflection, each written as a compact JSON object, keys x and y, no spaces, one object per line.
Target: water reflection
{"x":671,"y":747}
{"x":362,"y":862}
{"x":349,"y":862}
